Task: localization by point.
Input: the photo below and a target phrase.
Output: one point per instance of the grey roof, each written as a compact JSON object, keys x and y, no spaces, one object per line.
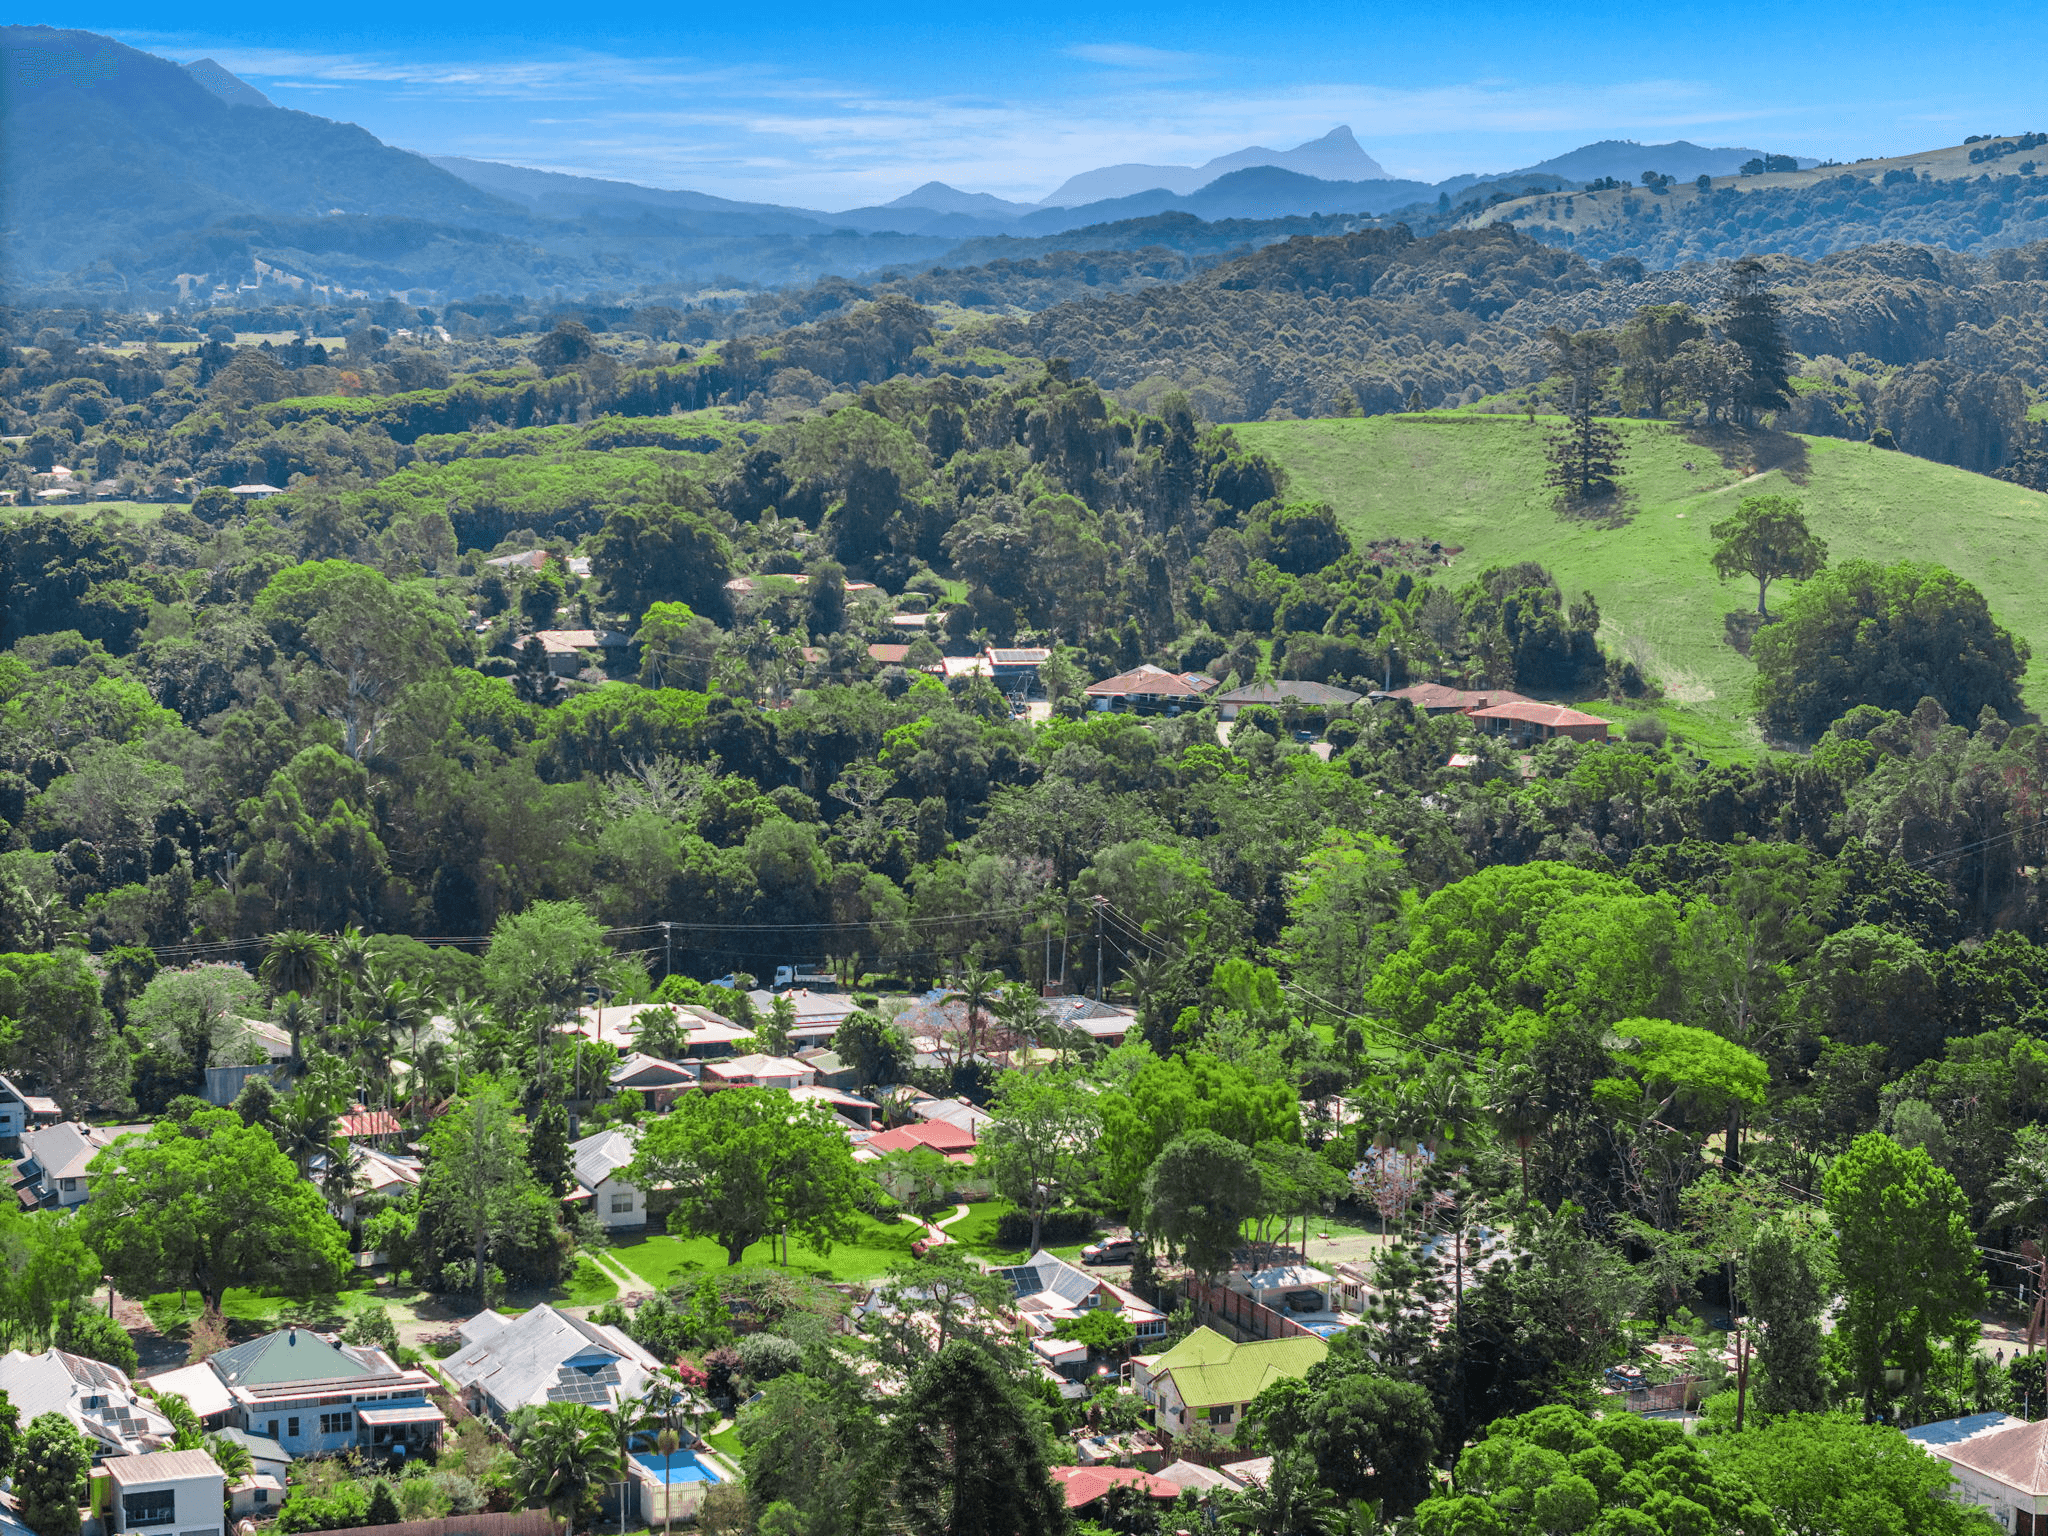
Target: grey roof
{"x":161,"y":1467}
{"x":954,"y":1112}
{"x":600,"y":1156}
{"x":546,"y":1356}
{"x":1048,"y":1272}
{"x":1288,"y":689}
{"x":264,"y":1450}
{"x":57,"y":1382}
{"x":60,"y":1151}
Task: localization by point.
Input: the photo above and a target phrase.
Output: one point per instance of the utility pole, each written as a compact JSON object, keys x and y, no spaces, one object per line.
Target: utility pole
{"x":668,"y":959}
{"x":1100,"y":903}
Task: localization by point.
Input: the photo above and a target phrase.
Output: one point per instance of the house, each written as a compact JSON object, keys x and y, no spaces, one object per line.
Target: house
{"x":857,"y":1113}
{"x":263,"y":1490}
{"x":707,"y":1033}
{"x":950,"y":667}
{"x":256,"y":490}
{"x":829,"y":1069}
{"x":597,"y":1160}
{"x":1148,"y":688}
{"x":564,"y":648}
{"x":658,"y":1082}
{"x":1298,"y":1291}
{"x":1441,"y":699}
{"x":204,"y":1393}
{"x":316,"y":1396}
{"x":51,"y":1170}
{"x":758,"y":1071}
{"x":525,"y":559}
{"x":747,"y":586}
{"x":953,"y":1142}
{"x":372,"y":1171}
{"x":957,"y":1112}
{"x":23,"y":1111}
{"x":176,"y":1491}
{"x":818,"y":1014}
{"x":1207,"y":1379}
{"x":1997,"y":1463}
{"x":1526,"y":722}
{"x":358,"y":1123}
{"x":1083,"y":1487}
{"x":1281,"y":693}
{"x":889,"y":655}
{"x":97,"y":1398}
{"x":1015,"y":667}
{"x":1051,"y":1291}
{"x":545,"y":1356}
{"x":1107,"y":1025}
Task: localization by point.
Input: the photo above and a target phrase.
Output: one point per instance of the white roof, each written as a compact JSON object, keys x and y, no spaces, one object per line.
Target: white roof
{"x":761,"y":1066}
{"x":198,"y":1385}
{"x":161,"y":1467}
{"x":546,"y":1356}
{"x":56,"y":1382}
{"x":598,"y":1157}
{"x":954,"y":1112}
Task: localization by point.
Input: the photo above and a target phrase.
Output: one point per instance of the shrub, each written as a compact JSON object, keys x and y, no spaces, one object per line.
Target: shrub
{"x":765,"y":1356}
{"x":1649,"y":729}
{"x":1013,"y":1228}
{"x":97,"y":1337}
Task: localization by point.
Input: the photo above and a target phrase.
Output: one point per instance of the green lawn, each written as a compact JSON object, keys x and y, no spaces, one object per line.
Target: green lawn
{"x":1476,"y":481}
{"x":590,"y":1286}
{"x":661,"y":1260}
{"x":171,"y":1311}
{"x":976,"y":1232}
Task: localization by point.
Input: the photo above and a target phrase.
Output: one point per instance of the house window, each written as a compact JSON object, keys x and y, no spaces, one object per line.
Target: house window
{"x":270,"y":1429}
{"x":69,"y":1184}
{"x":1221,"y":1415}
{"x":262,"y":1495}
{"x":622,"y":1202}
{"x":153,"y":1506}
{"x":291,"y":1427}
{"x":342,"y":1423}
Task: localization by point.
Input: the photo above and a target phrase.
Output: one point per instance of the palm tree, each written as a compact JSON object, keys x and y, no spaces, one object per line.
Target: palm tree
{"x":1290,"y":1502}
{"x":352,"y":957}
{"x":630,"y":1423}
{"x":295,"y":961}
{"x":665,"y":1408}
{"x":1021,"y":1012}
{"x":1519,"y":1109}
{"x":296,"y":1016}
{"x":304,"y":1125}
{"x":234,"y":1461}
{"x":977,"y":989}
{"x":564,"y":1449}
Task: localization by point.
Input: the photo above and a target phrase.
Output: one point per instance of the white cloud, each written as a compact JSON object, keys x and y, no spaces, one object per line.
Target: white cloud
{"x":752,"y":130}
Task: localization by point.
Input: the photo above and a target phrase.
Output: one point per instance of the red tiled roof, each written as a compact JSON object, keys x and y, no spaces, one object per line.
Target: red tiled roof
{"x":939,"y":1135}
{"x":369,"y":1122}
{"x":1152,"y":681}
{"x":1084,"y":1485}
{"x":1443,"y":696}
{"x":1537,"y":714}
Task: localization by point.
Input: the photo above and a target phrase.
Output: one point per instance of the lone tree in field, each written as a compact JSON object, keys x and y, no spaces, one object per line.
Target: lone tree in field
{"x":1767,"y":538}
{"x":1585,"y":453}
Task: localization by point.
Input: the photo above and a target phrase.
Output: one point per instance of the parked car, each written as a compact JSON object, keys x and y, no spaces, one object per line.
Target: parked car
{"x":1113,"y":1250}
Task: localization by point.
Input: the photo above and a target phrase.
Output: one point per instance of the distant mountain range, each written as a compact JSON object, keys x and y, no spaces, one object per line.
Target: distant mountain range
{"x":135,"y":179}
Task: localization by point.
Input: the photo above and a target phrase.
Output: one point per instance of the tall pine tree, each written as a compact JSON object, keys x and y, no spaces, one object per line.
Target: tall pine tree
{"x":1751,"y":322}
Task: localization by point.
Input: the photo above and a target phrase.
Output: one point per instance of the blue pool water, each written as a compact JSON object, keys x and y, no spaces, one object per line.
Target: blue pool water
{"x":683,"y":1467}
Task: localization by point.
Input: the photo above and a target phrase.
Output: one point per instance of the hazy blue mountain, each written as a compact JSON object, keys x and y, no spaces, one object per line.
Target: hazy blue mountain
{"x":228,"y":86}
{"x":1334,"y":157}
{"x":940,"y":198}
{"x":562,"y":195}
{"x":104,"y":148}
{"x":1626,"y":160}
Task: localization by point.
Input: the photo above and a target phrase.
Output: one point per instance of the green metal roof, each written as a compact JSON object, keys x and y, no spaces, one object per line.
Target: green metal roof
{"x":1209,"y":1370}
{"x":290,"y":1354}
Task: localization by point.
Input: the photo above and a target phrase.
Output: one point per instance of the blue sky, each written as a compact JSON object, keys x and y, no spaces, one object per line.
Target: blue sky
{"x":836,"y":106}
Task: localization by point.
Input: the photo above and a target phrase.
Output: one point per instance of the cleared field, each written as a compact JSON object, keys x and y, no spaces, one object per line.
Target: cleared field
{"x":1478,"y":481}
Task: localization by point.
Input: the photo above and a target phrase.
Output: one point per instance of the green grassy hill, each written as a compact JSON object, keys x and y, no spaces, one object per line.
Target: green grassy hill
{"x":1477,"y":481}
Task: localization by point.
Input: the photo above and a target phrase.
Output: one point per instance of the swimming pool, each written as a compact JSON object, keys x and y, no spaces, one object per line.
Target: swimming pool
{"x":683,"y":1467}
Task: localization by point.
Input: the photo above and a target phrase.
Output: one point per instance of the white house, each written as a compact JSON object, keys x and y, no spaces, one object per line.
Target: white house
{"x":545,"y":1356}
{"x":1051,"y":1291}
{"x":759,"y":1071}
{"x":179,"y":1492}
{"x":51,"y":1171}
{"x":1999,"y":1464}
{"x":316,"y":1396}
{"x":598,"y":1159}
{"x":19,"y":1111}
{"x":97,"y":1398}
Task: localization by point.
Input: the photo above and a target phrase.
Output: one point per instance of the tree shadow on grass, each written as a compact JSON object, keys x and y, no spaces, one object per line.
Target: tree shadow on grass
{"x":1739,"y":628}
{"x":1754,"y":450}
{"x":1617,"y":509}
